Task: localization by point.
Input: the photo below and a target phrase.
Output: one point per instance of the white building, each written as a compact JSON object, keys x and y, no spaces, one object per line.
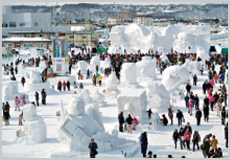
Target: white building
{"x":114,"y":22}
{"x":27,"y":22}
{"x":162,"y":22}
{"x":143,"y":20}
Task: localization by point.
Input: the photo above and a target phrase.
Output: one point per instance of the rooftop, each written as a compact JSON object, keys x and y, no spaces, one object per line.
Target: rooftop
{"x":28,"y":32}
{"x":81,"y":32}
{"x":22,"y":39}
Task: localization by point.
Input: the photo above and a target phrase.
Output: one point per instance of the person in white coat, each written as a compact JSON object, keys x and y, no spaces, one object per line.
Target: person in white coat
{"x":218,"y":107}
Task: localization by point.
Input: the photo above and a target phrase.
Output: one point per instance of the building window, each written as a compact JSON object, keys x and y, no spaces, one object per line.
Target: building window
{"x":22,"y":24}
{"x":16,"y":35}
{"x":10,"y":45}
{"x":18,"y":45}
{"x":12,"y":24}
{"x":36,"y":24}
{"x":24,"y":35}
{"x":39,"y":45}
{"x":71,"y":37}
{"x":84,"y":37}
{"x":27,"y":45}
{"x":4,"y":25}
{"x":4,"y":36}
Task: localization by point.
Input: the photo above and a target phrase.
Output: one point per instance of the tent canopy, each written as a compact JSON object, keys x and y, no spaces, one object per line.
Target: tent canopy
{"x":224,"y":51}
{"x":100,"y":50}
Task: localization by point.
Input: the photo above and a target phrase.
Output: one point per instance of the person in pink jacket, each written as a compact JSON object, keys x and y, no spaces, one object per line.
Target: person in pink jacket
{"x":211,"y":100}
{"x":190,"y":106}
{"x":16,"y":101}
{"x":212,"y":82}
{"x":24,"y":99}
{"x":187,"y":137}
{"x":135,"y":123}
{"x":210,"y":92}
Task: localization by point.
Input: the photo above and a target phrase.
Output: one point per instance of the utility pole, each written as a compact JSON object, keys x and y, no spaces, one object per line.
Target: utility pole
{"x":106,"y":30}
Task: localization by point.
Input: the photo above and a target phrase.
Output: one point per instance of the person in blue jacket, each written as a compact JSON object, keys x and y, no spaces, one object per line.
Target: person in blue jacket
{"x":144,"y":143}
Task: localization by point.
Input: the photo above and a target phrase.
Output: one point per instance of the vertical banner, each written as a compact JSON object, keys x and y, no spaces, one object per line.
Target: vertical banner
{"x":57,"y":48}
{"x":66,"y":48}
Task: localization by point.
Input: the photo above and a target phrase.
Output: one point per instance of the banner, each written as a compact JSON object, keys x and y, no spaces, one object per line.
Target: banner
{"x":57,"y":48}
{"x":59,"y":67}
{"x":67,"y":59}
{"x":66,"y":48}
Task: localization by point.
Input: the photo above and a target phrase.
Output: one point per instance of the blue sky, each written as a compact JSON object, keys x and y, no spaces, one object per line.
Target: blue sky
{"x":135,"y":3}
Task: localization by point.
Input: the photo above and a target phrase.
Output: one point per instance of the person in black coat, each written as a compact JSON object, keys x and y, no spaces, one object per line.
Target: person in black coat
{"x":59,"y":86}
{"x":16,"y":70}
{"x":188,"y":88}
{"x":179,"y":116}
{"x":194,"y":80}
{"x":81,"y":86}
{"x":121,"y":120}
{"x":206,"y":113}
{"x":196,"y":101}
{"x":204,"y":87}
{"x":68,"y":85}
{"x":164,"y":120}
{"x":6,"y":117}
{"x":93,"y":147}
{"x":23,"y":81}
{"x":88,"y":74}
{"x":37,"y":98}
{"x":206,"y":101}
{"x":144,"y":143}
{"x":223,"y":115}
{"x":175,"y":137}
{"x":226,"y":134}
{"x":198,"y":116}
{"x":188,"y":127}
{"x":216,"y":96}
{"x":149,"y":113}
{"x":181,"y":135}
{"x":129,"y":121}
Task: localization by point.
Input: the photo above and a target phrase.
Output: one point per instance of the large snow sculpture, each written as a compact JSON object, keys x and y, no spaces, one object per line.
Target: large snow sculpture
{"x":128,"y":74}
{"x":34,"y":82}
{"x":164,"y":57}
{"x":133,"y":101}
{"x":84,"y":123}
{"x":82,"y":65}
{"x":146,"y":68}
{"x":159,"y":97}
{"x":171,"y":81}
{"x":9,"y":90}
{"x":181,"y":71}
{"x":111,"y":82}
{"x":202,"y":54}
{"x":35,"y":127}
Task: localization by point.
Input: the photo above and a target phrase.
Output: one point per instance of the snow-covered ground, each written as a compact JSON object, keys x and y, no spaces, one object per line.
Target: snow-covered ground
{"x":160,"y":140}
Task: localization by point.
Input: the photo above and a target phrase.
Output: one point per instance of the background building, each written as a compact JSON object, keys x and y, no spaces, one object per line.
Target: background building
{"x":145,"y":20}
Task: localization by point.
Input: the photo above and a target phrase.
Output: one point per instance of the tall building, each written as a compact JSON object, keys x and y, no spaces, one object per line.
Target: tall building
{"x":127,"y":14}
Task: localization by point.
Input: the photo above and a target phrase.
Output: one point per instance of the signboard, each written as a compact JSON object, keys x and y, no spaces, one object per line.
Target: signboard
{"x":18,"y":133}
{"x":66,"y":59}
{"x":57,"y":48}
{"x":59,"y":67}
{"x":60,"y":60}
{"x":58,"y":113}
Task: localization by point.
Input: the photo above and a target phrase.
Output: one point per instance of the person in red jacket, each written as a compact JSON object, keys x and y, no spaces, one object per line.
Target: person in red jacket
{"x":64,"y":85}
{"x":187,"y":137}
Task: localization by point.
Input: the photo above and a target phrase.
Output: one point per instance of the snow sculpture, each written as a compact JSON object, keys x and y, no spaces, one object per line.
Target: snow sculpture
{"x":146,"y":68}
{"x":202,"y":54}
{"x":35,"y":127}
{"x":21,"y":69}
{"x":100,"y":98}
{"x":82,"y":65}
{"x":42,"y":65}
{"x":181,"y":71}
{"x":128,"y":74}
{"x":164,"y":57}
{"x":85,"y":95}
{"x":111,"y":82}
{"x":34,"y":82}
{"x":171,"y":81}
{"x":9,"y":90}
{"x":94,"y":62}
{"x":159,"y":97}
{"x":133,"y":101}
{"x":106,"y":63}
{"x":84,"y":123}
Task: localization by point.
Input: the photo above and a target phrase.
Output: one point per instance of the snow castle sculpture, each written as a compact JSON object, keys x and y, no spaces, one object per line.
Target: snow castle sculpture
{"x":100,"y":98}
{"x":82,"y":65}
{"x":82,"y":124}
{"x":94,"y":62}
{"x":129,"y":74}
